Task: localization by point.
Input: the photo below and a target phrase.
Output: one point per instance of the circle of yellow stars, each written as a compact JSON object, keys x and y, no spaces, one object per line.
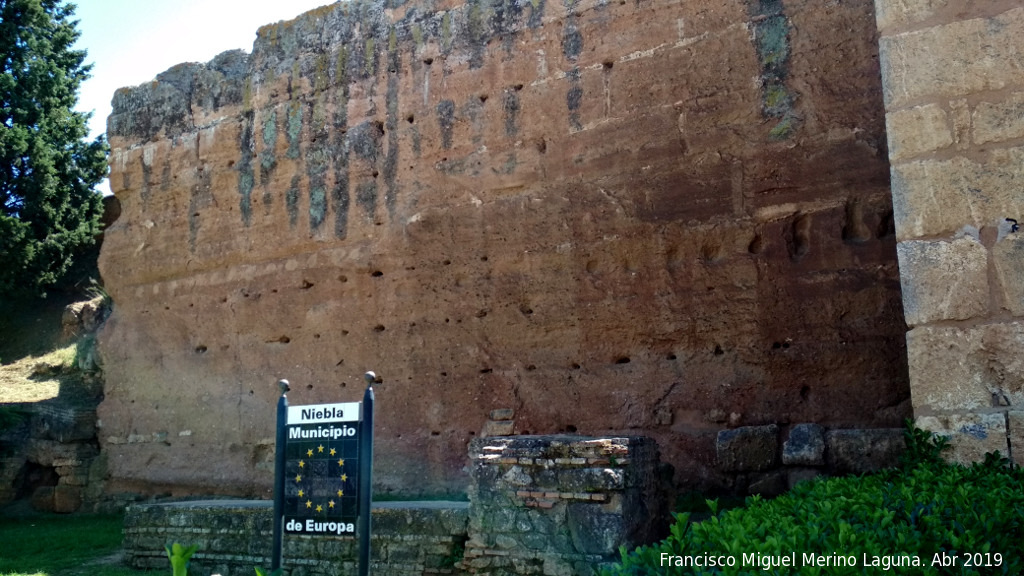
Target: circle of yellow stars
{"x":298,"y":478}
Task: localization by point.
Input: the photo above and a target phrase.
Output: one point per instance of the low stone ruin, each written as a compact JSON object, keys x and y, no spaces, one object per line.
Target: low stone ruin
{"x":538,"y":505}
{"x":53,"y":458}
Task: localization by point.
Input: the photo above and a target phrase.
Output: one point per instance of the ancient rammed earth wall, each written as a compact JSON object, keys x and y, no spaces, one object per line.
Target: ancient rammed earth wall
{"x":656,"y":216}
{"x":954,"y":90}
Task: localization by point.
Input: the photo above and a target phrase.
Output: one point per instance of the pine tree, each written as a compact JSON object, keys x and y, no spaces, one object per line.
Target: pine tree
{"x":50,"y":210}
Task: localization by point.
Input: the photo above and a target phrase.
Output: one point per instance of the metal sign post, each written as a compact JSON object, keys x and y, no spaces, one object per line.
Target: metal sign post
{"x":322,"y":471}
{"x":277,"y":552}
{"x":365,"y":479}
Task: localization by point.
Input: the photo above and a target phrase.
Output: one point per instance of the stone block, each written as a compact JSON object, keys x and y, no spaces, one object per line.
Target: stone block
{"x":591,"y":479}
{"x":516,"y":476}
{"x":940,"y":197}
{"x":498,"y":428}
{"x":960,"y":115}
{"x":66,"y":499}
{"x":554,"y":565}
{"x":53,"y":453}
{"x":748,"y":449}
{"x":943,"y":280}
{"x":1015,"y":436}
{"x":893,"y":13}
{"x":951,"y":60}
{"x":42,"y":499}
{"x":1001,"y":364}
{"x":799,"y":475}
{"x":997,"y":121}
{"x":971,"y":436}
{"x":1008,"y":257}
{"x":945,"y":373}
{"x":502,"y":414}
{"x":917,"y":130}
{"x":84,"y":317}
{"x":768,"y":484}
{"x":74,"y":475}
{"x":861,"y":451}
{"x":805,"y":446}
{"x":966,"y":369}
{"x":593,"y":530}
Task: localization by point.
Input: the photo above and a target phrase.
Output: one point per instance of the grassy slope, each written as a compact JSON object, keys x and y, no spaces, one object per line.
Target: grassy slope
{"x":37,"y":362}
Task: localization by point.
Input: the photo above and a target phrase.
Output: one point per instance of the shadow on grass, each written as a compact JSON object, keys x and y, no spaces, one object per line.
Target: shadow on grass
{"x":56,"y":545}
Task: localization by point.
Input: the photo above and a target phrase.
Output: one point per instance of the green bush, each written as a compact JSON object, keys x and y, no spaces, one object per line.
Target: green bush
{"x":948,"y":519}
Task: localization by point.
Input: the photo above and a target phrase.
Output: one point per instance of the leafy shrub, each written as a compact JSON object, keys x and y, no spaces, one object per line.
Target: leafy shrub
{"x":970,"y":518}
{"x":923,"y":447}
{"x":179,"y":557}
{"x":697,"y":504}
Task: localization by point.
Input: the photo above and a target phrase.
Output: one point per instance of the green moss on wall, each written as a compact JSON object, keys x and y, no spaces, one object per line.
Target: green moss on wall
{"x":369,"y":57}
{"x":317,"y":206}
{"x":294,"y":130}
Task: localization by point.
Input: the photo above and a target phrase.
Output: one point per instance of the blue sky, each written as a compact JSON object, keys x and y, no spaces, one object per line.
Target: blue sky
{"x":131,"y":41}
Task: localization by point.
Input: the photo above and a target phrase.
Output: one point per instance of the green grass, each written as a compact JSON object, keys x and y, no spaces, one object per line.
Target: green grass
{"x":53,"y":545}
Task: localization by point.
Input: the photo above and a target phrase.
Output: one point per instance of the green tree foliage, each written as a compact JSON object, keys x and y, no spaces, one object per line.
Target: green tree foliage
{"x":49,"y":209}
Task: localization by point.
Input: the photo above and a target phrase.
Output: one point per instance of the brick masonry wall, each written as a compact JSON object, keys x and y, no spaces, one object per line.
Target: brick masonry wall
{"x":953,"y":83}
{"x":409,"y":539}
{"x":560,"y":505}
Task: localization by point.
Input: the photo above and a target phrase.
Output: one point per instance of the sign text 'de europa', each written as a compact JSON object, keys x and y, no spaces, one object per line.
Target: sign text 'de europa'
{"x":321,"y":469}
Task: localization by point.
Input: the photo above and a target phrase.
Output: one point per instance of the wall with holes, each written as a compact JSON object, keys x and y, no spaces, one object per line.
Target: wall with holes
{"x":663,"y":216}
{"x":955,"y":102}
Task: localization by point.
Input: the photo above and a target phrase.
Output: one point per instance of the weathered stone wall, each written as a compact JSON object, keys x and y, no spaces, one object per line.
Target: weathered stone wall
{"x":537,"y":505}
{"x":760,"y":464}
{"x":561,"y":504}
{"x":658,"y":216}
{"x":52,"y":457}
{"x":954,"y":91}
{"x":233,"y":536}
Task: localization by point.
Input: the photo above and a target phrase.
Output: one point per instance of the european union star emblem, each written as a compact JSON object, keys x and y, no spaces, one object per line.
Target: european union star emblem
{"x":321,"y":475}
